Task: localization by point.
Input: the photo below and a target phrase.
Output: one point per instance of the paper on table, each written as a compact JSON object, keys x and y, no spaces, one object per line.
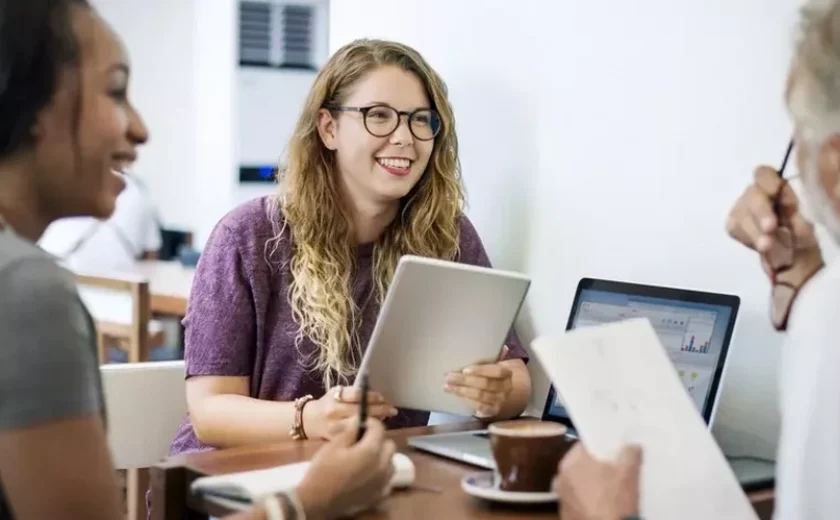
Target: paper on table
{"x":620,"y":387}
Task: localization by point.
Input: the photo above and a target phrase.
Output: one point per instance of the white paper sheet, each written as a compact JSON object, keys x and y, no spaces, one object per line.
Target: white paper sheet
{"x":620,"y":387}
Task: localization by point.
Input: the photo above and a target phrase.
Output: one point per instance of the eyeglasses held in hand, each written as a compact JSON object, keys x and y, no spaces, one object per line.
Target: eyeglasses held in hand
{"x":383,"y":120}
{"x":783,"y":294}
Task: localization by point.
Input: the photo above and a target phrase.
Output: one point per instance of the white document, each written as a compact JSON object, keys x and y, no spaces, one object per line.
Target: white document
{"x":238,"y":490}
{"x":620,"y":387}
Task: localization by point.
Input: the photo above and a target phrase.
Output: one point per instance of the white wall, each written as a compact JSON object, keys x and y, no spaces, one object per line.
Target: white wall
{"x":267,"y":119}
{"x":160,"y":39}
{"x":214,"y":96}
{"x":186,"y":84}
{"x":609,"y":140}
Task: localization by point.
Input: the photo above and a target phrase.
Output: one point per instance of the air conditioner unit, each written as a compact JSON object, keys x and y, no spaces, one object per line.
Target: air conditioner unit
{"x":282,"y":45}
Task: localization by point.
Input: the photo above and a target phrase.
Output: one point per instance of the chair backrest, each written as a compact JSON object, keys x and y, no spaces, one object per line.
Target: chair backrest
{"x":145,"y":403}
{"x":121,"y":307}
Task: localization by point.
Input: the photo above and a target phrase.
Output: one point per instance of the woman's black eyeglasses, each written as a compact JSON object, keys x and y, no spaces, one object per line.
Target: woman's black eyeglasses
{"x":382,"y":120}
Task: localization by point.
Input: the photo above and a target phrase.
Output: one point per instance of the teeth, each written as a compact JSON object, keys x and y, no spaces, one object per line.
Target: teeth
{"x":395,"y":163}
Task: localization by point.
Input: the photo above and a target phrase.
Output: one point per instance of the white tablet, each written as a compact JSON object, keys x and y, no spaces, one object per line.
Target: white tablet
{"x":439,"y":317}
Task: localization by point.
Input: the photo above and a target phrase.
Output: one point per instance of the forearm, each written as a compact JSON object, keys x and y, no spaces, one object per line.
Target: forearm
{"x":224,"y":421}
{"x":520,"y":394}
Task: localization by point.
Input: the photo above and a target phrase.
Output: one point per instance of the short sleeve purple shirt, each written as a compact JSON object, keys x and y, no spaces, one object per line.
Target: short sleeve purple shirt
{"x":239,"y":321}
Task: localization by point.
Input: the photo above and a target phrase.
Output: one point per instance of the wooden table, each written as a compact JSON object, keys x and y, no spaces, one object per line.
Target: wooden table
{"x":169,"y":284}
{"x":171,"y":481}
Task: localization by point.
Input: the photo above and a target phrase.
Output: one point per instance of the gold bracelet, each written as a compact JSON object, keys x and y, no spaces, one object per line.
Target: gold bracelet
{"x":297,"y":432}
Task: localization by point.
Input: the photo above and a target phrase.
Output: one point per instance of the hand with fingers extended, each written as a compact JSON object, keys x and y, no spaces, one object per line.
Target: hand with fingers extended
{"x":767,"y":218}
{"x":486,"y":387}
{"x":324,"y":416}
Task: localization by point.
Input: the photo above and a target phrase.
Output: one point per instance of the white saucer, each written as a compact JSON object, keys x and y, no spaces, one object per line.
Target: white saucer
{"x":483,"y":485}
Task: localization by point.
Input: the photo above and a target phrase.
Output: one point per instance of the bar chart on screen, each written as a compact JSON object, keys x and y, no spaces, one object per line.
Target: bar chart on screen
{"x":698,"y":334}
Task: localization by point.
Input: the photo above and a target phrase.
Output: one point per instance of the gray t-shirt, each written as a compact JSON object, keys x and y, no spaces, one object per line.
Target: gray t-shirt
{"x":49,"y":370}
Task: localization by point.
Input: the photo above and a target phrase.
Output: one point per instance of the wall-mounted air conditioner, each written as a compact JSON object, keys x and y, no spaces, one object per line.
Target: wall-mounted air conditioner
{"x":282,"y":45}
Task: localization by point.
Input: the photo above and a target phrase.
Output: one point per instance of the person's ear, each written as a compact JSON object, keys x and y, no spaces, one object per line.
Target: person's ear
{"x":327,"y":129}
{"x":36,"y":129}
{"x":829,"y":170}
{"x":50,"y":119}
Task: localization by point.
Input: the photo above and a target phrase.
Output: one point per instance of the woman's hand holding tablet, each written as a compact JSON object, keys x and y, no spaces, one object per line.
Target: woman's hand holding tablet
{"x":485,"y":386}
{"x":437,"y":340}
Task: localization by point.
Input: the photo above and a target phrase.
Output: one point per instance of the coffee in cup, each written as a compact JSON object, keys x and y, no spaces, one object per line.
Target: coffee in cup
{"x":527,"y":453}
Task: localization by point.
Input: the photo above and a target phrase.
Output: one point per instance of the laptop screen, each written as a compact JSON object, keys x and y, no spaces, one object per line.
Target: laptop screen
{"x":694,"y":332}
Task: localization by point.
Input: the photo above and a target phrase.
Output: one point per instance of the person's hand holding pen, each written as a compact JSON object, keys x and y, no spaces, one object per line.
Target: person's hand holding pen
{"x":329,"y":414}
{"x":767,"y":219}
{"x":348,"y":475}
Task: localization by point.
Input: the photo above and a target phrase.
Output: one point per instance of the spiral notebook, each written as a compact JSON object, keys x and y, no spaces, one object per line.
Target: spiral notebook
{"x":238,"y":491}
{"x":620,"y":387}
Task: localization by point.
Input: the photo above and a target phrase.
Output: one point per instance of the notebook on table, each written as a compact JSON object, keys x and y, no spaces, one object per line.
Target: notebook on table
{"x":238,"y":491}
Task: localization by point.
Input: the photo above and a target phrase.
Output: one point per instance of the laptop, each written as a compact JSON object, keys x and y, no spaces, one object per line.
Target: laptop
{"x":694,"y":327}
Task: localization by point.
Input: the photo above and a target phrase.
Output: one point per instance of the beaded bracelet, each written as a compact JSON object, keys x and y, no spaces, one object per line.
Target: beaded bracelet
{"x":297,"y":432}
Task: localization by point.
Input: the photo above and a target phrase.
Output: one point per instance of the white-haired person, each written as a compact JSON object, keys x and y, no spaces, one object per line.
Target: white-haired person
{"x":806,"y":302}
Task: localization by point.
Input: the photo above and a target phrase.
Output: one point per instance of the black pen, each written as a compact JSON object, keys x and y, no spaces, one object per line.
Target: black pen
{"x":363,"y":409}
{"x":785,"y":160}
{"x":777,"y":205}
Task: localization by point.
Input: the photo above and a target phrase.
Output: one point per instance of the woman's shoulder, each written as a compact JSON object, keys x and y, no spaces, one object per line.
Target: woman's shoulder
{"x":250,"y":225}
{"x":470,"y":247}
{"x":14,"y":248}
{"x":467,"y":229}
{"x":252,"y":216}
{"x":468,"y":237}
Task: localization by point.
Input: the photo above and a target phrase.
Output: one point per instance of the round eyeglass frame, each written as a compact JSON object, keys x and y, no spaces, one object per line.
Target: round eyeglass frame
{"x":409,"y":115}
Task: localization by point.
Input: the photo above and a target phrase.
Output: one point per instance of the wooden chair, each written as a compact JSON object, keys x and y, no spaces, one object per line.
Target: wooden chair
{"x":122,"y":312}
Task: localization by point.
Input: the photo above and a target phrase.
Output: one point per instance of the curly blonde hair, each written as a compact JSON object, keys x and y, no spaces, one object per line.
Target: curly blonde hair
{"x":323,"y":260}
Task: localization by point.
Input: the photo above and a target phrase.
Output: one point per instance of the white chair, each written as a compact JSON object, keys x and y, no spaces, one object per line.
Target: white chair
{"x":145,"y":403}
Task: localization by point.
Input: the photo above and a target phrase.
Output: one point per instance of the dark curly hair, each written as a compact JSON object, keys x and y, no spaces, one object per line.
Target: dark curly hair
{"x":36,"y":43}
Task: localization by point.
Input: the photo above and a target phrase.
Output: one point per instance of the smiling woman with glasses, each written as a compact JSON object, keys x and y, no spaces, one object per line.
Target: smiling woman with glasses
{"x":289,"y":286}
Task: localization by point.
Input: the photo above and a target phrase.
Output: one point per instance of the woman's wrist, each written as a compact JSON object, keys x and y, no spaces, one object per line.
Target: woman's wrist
{"x":309,"y":417}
